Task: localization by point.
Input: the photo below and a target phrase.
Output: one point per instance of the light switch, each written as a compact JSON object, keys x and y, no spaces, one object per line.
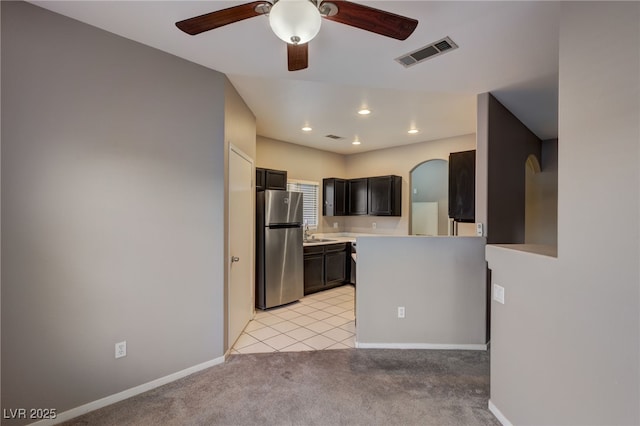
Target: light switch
{"x":498,"y":293}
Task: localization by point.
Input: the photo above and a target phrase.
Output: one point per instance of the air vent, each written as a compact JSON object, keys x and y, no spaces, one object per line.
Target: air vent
{"x":334,"y":137}
{"x":426,"y":52}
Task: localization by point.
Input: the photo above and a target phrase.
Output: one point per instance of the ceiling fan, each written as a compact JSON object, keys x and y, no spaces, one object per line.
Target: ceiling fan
{"x":298,"y":21}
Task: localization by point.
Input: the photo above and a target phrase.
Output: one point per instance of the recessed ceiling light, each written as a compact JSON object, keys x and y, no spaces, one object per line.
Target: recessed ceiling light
{"x":364,"y":111}
{"x":413,"y":131}
{"x":356,"y":142}
{"x":306,"y":129}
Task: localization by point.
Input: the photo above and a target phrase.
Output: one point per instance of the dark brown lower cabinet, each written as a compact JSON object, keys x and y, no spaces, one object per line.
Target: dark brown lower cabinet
{"x":313,"y":269}
{"x":326,"y":266}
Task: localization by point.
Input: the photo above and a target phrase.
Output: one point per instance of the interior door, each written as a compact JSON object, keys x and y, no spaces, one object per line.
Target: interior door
{"x":241,"y":286}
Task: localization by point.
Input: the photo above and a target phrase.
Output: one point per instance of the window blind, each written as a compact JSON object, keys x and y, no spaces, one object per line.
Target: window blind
{"x":309,"y":200}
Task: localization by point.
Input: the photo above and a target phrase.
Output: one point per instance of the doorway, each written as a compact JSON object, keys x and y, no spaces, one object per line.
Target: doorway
{"x":241,"y":287}
{"x":429,"y":183}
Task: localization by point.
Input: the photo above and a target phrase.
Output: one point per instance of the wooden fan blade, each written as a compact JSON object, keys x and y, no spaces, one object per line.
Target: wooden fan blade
{"x":298,"y":56}
{"x":370,"y":19}
{"x":219,"y":18}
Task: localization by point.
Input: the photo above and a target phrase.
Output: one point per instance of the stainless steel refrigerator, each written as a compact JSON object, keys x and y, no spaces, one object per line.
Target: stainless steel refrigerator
{"x":279,"y":255}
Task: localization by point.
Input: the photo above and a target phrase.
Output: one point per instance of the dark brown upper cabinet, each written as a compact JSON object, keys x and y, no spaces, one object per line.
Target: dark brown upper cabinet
{"x":462,"y":186}
{"x":385,"y":196}
{"x":270,"y":179}
{"x":374,"y":196}
{"x":334,"y":194}
{"x":358,"y":195}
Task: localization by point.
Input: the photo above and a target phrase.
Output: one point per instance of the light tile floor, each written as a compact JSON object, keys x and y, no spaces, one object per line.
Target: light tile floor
{"x":323,"y":320}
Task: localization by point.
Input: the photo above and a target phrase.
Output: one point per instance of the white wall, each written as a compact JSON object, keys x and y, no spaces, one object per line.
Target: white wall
{"x":565,"y":347}
{"x":439,"y":280}
{"x":113,"y":189}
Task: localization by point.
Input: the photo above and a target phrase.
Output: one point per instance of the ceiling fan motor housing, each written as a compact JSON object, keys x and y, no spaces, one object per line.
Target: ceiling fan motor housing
{"x":295,"y":21}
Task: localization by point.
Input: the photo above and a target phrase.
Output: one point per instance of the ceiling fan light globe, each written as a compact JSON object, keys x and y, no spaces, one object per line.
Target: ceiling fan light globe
{"x":295,"y":21}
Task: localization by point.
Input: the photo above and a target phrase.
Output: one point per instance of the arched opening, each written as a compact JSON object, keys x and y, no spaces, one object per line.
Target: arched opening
{"x":429,"y":182}
{"x":540,"y":218}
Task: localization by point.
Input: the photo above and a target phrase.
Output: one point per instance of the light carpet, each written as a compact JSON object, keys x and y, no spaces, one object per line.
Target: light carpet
{"x":334,"y":387}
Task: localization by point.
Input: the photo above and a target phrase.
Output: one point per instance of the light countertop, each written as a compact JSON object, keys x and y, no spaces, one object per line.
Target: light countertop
{"x":331,"y":240}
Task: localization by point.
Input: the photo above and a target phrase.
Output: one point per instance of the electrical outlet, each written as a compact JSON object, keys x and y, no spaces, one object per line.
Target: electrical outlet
{"x":498,"y":293}
{"x":121,"y":349}
{"x":479,"y":229}
{"x":400,"y":311}
{"x":373,"y":225}
{"x":335,"y":224}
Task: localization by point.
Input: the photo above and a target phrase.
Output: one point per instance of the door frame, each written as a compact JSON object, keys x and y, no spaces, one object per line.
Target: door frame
{"x":235,"y":149}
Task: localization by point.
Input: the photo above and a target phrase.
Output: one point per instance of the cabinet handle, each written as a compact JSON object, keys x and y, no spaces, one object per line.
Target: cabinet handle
{"x":235,"y":259}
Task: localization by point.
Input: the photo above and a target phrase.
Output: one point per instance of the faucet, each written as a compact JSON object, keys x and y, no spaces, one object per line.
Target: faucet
{"x":306,"y":232}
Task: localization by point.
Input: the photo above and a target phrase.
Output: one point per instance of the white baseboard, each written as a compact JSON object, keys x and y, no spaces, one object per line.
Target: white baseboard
{"x":501,"y":418}
{"x":438,"y":346}
{"x":120,"y":396}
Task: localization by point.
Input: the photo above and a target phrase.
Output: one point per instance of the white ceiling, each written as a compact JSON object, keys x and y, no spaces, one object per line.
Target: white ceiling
{"x":507,"y":48}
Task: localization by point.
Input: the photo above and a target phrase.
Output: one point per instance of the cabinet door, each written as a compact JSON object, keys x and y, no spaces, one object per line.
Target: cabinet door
{"x":335,"y":265}
{"x":276,"y":179}
{"x":334,"y":195}
{"x":260,"y":179}
{"x":357,"y":189}
{"x":462,"y":186}
{"x":385,"y":194}
{"x":341,"y":197}
{"x":313,"y":272}
{"x":380,"y":195}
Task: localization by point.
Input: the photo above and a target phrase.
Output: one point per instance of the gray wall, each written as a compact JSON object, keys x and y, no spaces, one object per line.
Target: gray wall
{"x":442,"y":288}
{"x":565,"y":346}
{"x":112,"y":211}
{"x":509,"y":144}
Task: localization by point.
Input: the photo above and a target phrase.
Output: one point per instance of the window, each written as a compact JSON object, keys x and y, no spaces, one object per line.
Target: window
{"x":309,"y":200}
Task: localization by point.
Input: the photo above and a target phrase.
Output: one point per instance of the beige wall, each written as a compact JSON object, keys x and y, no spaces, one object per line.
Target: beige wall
{"x":239,"y":130}
{"x":312,"y":164}
{"x":541,"y":198}
{"x":565,"y":346}
{"x":303,"y":163}
{"x":398,"y":161}
{"x":239,"y":121}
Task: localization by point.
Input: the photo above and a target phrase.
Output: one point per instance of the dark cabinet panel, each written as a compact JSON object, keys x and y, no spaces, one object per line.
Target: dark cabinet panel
{"x":335,"y":265}
{"x":374,"y":196}
{"x":270,"y":179}
{"x":260,"y":179}
{"x":325,"y":266}
{"x":385,"y":196}
{"x":462,"y":186}
{"x":313,"y":273}
{"x":334,"y":194}
{"x":276,"y":179}
{"x":358,"y":196}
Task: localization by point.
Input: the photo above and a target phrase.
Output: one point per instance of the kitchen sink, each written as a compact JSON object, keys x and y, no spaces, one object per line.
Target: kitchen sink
{"x":317,"y":240}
